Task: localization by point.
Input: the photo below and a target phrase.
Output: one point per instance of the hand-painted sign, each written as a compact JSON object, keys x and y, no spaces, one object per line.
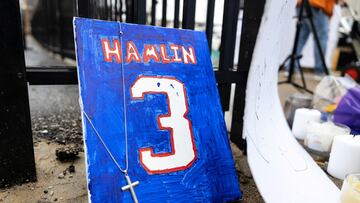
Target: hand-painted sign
{"x":151,"y":112}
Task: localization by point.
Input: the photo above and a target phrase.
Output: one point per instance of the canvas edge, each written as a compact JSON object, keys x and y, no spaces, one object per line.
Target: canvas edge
{"x":75,"y":20}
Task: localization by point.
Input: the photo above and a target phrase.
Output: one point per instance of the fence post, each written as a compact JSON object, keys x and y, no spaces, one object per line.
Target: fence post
{"x":139,"y":11}
{"x":83,"y":8}
{"x":129,"y":5}
{"x":188,"y":21}
{"x":253,"y":11}
{"x":153,"y":12}
{"x":227,"y":47}
{"x":176,"y":14}
{"x":17,"y":163}
{"x":210,"y":21}
{"x":59,"y":26}
{"x":163,"y":18}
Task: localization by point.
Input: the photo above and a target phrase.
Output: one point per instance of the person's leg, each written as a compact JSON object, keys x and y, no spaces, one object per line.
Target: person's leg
{"x":304,"y":35}
{"x":321,"y":23}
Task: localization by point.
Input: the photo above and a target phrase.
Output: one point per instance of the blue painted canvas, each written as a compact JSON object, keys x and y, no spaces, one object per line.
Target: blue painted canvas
{"x":150,"y":93}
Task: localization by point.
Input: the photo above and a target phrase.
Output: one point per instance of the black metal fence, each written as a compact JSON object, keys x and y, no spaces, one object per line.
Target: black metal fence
{"x":52,"y":22}
{"x":52,"y":26}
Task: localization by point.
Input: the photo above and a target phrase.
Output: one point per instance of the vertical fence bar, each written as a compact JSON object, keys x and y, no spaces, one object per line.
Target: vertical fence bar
{"x":95,"y":9}
{"x":59,"y":26}
{"x":111,"y":10}
{"x":17,"y":164}
{"x":121,"y":10}
{"x":253,"y":11}
{"x":83,"y":8}
{"x":210,"y":21}
{"x":139,"y":11}
{"x":129,"y":11}
{"x":48,"y":23}
{"x":227,"y":48}
{"x":116,"y":12}
{"x":45,"y":32}
{"x":163,"y":20}
{"x":176,"y":14}
{"x":153,"y":12}
{"x":24,"y":25}
{"x":53,"y":25}
{"x":75,"y":8}
{"x":106,"y":10}
{"x":188,"y":21}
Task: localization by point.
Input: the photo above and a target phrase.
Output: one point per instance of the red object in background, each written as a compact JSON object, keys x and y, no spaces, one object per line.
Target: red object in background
{"x":352,"y":71}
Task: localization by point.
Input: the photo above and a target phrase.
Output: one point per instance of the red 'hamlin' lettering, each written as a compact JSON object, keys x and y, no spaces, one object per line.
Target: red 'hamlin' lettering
{"x":188,"y":56}
{"x":132,"y":52}
{"x":155,"y":53}
{"x":150,"y":52}
{"x":111,"y":52}
{"x":175,"y":49}
{"x":164,"y":56}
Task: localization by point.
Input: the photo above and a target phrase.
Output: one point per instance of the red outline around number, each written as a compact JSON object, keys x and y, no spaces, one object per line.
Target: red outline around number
{"x":166,"y":128}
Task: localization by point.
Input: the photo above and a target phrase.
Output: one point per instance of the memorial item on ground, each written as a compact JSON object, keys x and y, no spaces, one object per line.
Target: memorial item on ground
{"x":344,"y":156}
{"x":319,"y":136}
{"x":295,"y":101}
{"x":350,"y":191}
{"x":283,"y":171}
{"x":348,"y":110}
{"x":301,"y":120}
{"x":153,"y":124}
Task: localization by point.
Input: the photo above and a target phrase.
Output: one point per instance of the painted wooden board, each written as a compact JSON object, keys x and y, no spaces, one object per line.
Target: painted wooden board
{"x":282,"y":169}
{"x":177,"y":140}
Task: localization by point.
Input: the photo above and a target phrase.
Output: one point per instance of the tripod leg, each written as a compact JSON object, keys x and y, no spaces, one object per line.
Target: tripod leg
{"x":296,"y":43}
{"x":301,"y":74}
{"x":283,"y":64}
{"x":316,"y":37}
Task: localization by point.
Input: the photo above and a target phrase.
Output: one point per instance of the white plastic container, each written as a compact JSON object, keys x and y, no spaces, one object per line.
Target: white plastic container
{"x":350,"y":191}
{"x":320,"y":136}
{"x":301,"y":119}
{"x":344,"y":156}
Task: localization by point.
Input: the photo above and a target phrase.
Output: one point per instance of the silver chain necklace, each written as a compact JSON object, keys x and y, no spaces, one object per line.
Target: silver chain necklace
{"x":130,"y":186}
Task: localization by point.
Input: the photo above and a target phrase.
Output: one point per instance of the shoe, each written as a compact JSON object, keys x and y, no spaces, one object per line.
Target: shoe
{"x":285,"y":73}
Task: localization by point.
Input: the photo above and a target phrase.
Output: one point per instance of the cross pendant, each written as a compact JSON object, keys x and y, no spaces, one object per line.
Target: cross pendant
{"x":130,"y":186}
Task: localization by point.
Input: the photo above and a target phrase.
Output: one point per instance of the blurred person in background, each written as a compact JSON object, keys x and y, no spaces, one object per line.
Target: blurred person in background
{"x":322,"y":11}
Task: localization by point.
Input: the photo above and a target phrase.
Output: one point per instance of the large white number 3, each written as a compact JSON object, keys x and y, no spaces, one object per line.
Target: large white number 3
{"x":183,"y":150}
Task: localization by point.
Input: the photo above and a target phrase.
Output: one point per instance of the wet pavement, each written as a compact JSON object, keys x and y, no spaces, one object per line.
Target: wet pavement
{"x":55,"y":112}
{"x":49,"y":99}
{"x":58,"y":142}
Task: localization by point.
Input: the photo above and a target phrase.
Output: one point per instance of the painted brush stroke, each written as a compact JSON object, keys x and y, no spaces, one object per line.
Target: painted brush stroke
{"x":178,"y":146}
